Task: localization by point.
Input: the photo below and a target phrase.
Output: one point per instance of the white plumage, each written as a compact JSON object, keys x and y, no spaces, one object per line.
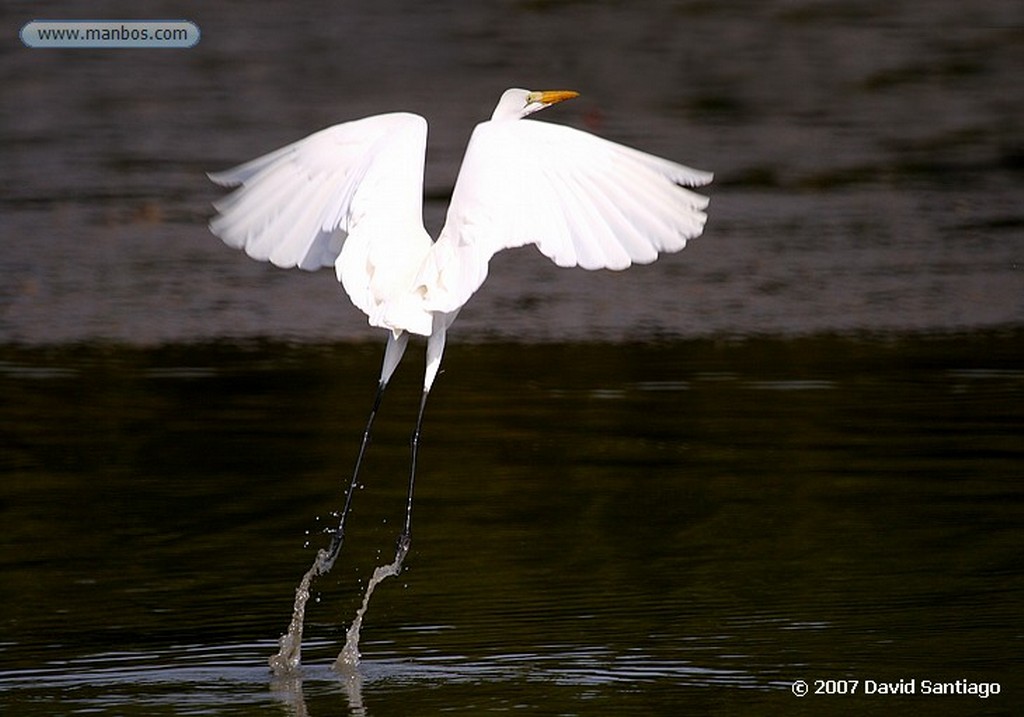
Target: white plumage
{"x":351,"y":196}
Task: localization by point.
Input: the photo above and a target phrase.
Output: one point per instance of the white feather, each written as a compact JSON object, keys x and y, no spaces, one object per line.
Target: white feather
{"x":584,"y":201}
{"x":351,"y":195}
{"x":359,"y":182}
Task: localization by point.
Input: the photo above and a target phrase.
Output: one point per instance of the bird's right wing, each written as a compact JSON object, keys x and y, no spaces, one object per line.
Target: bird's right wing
{"x":299,"y":206}
{"x":583,"y":200}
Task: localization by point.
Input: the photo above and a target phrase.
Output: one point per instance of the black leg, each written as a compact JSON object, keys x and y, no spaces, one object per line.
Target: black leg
{"x":338,"y":534}
{"x":349,"y":656}
{"x":406,"y":537}
{"x":289,"y":654}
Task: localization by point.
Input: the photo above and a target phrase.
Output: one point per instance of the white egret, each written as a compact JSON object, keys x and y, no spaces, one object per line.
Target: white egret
{"x":351,"y":196}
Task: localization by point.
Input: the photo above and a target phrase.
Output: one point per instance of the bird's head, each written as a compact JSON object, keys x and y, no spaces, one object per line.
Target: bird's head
{"x":517,"y":103}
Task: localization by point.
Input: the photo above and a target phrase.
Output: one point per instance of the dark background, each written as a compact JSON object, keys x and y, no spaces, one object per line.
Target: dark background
{"x":791,"y":451}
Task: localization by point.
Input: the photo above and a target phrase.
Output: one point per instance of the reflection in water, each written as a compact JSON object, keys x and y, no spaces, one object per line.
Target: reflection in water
{"x":589,"y":669}
{"x":352,"y":682}
{"x":289,"y":688}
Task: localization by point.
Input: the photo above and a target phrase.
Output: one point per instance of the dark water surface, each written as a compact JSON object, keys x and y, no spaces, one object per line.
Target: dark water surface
{"x":599,"y":529}
{"x":792,"y":451}
{"x":868,"y":156}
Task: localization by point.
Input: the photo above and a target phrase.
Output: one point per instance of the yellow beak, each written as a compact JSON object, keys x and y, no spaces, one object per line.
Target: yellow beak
{"x":550,"y":97}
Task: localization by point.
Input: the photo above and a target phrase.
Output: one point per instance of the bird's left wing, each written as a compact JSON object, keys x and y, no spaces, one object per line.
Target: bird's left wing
{"x":297,"y":205}
{"x":584,"y":201}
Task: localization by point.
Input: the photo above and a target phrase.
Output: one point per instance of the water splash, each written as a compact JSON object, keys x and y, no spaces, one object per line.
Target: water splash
{"x":289,"y":653}
{"x":348,"y":658}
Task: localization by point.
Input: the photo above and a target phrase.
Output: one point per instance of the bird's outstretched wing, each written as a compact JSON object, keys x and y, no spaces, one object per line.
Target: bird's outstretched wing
{"x":358,"y":183}
{"x":584,"y":201}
